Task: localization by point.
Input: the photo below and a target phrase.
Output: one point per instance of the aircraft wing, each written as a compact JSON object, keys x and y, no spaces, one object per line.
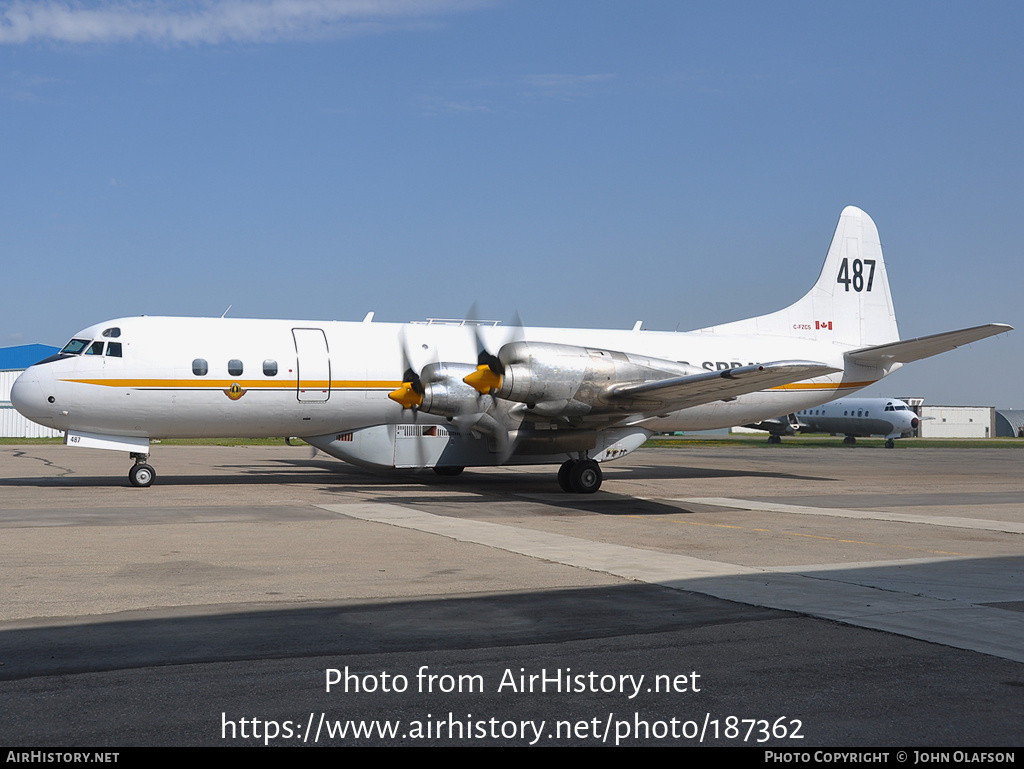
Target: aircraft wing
{"x":683,"y":392}
{"x":910,"y":350}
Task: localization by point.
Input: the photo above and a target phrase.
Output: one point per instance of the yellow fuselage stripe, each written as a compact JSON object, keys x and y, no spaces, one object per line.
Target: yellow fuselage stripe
{"x":279,"y":384}
{"x":808,"y":386}
{"x":367,"y":384}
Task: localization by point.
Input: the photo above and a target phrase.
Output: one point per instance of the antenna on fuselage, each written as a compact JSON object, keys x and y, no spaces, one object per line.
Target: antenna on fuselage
{"x":226,"y":311}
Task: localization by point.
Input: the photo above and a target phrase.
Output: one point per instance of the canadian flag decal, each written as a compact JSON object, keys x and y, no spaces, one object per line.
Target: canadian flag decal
{"x":820,"y":324}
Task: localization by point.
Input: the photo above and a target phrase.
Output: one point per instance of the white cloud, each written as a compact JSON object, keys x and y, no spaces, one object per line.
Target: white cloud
{"x":210,"y":21}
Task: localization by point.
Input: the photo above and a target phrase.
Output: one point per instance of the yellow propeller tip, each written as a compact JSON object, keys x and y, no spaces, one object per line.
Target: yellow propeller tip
{"x":406,"y":396}
{"x":483,"y":380}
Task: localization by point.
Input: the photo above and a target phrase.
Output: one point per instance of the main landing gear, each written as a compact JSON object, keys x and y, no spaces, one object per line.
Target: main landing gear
{"x":580,"y":476}
{"x":141,"y":474}
{"x":448,"y":471}
{"x":774,"y":439}
{"x":890,"y":443}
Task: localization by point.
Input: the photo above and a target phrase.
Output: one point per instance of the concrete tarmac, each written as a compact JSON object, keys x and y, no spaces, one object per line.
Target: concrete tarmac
{"x":784,"y":597}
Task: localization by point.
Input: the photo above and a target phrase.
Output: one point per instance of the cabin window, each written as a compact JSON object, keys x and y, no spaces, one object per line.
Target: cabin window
{"x":114,"y":349}
{"x":96,"y":348}
{"x":270,"y":368}
{"x":75,"y":346}
{"x":235,"y":367}
{"x":113,"y":332}
{"x":199,"y":367}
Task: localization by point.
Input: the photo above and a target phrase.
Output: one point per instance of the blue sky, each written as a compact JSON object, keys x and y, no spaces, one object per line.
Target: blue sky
{"x":580,"y":163}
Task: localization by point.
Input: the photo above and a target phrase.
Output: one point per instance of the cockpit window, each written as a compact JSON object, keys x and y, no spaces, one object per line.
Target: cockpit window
{"x":75,"y":346}
{"x":114,"y":350}
{"x":96,"y":348}
{"x":114,"y":332}
{"x":199,"y":367}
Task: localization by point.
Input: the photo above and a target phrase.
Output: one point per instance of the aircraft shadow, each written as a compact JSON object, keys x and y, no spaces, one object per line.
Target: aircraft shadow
{"x":172,"y":676}
{"x":314,"y":472}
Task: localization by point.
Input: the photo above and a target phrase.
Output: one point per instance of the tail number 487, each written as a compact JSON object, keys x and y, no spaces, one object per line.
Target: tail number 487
{"x":856,"y":276}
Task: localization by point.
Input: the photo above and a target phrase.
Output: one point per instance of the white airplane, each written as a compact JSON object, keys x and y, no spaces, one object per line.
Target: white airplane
{"x":452,"y":395}
{"x":890,"y":418}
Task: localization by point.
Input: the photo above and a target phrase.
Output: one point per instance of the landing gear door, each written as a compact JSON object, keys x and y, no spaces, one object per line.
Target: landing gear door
{"x":313,"y":365}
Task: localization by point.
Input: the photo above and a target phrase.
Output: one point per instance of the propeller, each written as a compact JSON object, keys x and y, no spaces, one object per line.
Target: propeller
{"x":487,"y":381}
{"x":465,"y":399}
{"x":410,"y":394}
{"x":487,"y":378}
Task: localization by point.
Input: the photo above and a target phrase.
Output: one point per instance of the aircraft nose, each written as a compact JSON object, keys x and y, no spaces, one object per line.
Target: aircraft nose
{"x":32,"y":395}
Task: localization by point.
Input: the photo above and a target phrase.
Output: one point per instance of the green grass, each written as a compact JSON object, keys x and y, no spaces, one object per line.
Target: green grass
{"x":30,"y":441}
{"x":223,"y":442}
{"x":829,"y":442}
{"x":166,"y":442}
{"x":662,"y":442}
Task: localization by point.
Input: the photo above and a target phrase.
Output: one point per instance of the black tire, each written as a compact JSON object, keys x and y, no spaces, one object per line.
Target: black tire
{"x":890,"y":444}
{"x":586,"y":477}
{"x":563,"y":475}
{"x":142,"y":475}
{"x":449,"y":471}
{"x":773,"y":439}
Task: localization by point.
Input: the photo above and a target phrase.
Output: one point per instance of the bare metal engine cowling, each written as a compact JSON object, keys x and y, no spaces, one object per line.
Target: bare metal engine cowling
{"x":559,"y":380}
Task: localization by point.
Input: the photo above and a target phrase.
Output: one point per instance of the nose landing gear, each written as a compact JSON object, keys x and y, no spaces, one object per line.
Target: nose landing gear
{"x":141,"y":474}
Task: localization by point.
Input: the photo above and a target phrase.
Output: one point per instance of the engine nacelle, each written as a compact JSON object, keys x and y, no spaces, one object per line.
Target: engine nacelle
{"x":444,"y":392}
{"x":566,"y":381}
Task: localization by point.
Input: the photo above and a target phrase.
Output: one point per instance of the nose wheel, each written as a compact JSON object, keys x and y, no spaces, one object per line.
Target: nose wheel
{"x":141,"y":474}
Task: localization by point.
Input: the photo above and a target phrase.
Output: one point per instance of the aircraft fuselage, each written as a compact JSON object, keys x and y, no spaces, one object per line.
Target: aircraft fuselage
{"x":228,"y":377}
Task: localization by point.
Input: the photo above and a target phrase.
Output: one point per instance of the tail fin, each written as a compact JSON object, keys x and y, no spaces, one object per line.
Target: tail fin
{"x":849,"y":304}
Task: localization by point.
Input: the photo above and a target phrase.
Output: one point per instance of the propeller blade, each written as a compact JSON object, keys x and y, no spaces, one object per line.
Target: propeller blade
{"x":410,"y":394}
{"x":487,"y":378}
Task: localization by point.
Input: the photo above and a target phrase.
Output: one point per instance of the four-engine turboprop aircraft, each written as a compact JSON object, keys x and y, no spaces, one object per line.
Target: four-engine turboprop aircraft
{"x":453,"y":395}
{"x":854,"y":417}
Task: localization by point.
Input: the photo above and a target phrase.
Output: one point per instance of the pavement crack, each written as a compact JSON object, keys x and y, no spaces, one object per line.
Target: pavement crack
{"x":63,"y":471}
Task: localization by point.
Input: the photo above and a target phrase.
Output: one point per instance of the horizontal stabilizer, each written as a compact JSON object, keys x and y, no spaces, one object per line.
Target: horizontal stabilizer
{"x":910,"y":350}
{"x":685,"y":391}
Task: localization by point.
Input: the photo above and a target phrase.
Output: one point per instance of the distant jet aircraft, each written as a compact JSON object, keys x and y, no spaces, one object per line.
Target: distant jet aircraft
{"x":854,"y":417}
{"x":454,"y":395}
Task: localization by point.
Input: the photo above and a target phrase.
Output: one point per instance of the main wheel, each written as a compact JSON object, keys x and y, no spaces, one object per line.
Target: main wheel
{"x":890,"y":443}
{"x":585,"y":477}
{"x":849,"y":440}
{"x":142,"y":475}
{"x":773,"y":439}
{"x":449,"y":471}
{"x":563,"y":475}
